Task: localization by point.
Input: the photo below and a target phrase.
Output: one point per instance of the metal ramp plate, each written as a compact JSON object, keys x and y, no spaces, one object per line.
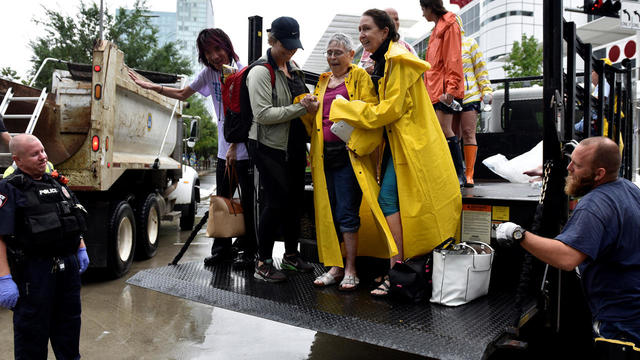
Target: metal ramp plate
{"x":502,"y":191}
{"x":464,"y":332}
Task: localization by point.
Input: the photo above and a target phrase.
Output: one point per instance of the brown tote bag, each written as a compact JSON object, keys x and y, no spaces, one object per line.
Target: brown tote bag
{"x":225,"y":215}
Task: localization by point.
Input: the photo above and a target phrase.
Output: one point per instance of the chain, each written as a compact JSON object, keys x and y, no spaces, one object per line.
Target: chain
{"x":545,"y":180}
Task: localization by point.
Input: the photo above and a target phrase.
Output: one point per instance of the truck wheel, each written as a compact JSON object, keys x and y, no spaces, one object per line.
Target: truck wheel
{"x":188,"y":216}
{"x":122,"y":239}
{"x":148,"y":228}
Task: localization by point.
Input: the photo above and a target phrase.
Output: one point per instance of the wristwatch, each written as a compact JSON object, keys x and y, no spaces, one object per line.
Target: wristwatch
{"x":518,"y":233}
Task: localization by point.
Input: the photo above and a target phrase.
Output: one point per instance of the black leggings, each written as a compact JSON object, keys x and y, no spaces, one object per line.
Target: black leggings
{"x":247,"y":242}
{"x":281,"y":196}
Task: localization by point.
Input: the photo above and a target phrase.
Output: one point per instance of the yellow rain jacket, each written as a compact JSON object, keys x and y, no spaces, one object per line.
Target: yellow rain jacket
{"x":428,"y":189}
{"x":374,"y":236}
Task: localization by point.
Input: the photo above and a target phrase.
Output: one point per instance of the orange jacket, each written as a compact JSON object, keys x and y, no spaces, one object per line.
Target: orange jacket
{"x":445,"y":56}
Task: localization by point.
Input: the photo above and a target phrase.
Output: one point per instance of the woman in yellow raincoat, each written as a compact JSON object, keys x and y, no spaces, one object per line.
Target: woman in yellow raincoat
{"x":338,"y":189}
{"x":422,"y":203}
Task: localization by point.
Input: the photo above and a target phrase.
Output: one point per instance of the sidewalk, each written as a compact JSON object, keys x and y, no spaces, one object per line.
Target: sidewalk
{"x":204,"y":191}
{"x":205,"y":172}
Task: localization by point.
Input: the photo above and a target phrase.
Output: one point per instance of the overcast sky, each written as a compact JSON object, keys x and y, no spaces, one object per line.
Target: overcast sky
{"x":17,"y":27}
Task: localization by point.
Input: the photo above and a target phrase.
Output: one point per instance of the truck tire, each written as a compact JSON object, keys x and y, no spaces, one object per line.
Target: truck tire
{"x":122,"y":239}
{"x":148,"y":226}
{"x":188,"y":217}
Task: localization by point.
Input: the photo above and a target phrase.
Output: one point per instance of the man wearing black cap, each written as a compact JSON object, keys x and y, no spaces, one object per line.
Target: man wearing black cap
{"x":278,"y":148}
{"x":287,"y":31}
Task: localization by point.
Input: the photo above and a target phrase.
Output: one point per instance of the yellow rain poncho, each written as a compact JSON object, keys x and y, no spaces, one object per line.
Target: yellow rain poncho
{"x":428,"y":189}
{"x":374,"y":236}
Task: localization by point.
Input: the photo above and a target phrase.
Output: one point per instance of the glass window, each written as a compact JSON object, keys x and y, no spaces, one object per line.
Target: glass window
{"x":507,"y":13}
{"x":526,"y":115}
{"x":471,"y":20}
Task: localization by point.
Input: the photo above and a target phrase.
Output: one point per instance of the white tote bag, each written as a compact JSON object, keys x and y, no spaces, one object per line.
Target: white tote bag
{"x":461,"y":273}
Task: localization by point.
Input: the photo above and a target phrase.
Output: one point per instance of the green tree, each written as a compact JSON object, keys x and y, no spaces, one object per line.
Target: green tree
{"x":525,"y":58}
{"x":72,"y":38}
{"x":208,"y":143}
{"x":9,"y":74}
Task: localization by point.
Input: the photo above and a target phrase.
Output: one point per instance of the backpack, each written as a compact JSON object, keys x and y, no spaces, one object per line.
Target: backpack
{"x":238,"y":116}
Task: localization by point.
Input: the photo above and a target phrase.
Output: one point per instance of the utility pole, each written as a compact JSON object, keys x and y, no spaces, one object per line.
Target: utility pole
{"x":255,"y":38}
{"x":101,"y":18}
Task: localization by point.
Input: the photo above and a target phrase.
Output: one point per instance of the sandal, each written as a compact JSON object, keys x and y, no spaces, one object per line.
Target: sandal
{"x":383,"y":289}
{"x":351,"y":280}
{"x":326,"y":279}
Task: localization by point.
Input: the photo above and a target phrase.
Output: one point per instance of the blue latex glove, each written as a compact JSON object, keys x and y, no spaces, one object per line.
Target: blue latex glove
{"x":8,"y":292}
{"x":83,"y":259}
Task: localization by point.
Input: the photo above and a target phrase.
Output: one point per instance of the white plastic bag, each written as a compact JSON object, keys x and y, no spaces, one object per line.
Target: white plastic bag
{"x":512,"y":170}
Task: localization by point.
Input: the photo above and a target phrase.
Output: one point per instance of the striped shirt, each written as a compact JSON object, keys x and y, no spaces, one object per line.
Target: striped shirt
{"x":476,"y":77}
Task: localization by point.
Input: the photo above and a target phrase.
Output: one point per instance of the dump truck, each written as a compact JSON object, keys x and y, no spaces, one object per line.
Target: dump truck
{"x":119,"y":145}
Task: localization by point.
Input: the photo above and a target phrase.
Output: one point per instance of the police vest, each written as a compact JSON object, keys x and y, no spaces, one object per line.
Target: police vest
{"x":50,"y":220}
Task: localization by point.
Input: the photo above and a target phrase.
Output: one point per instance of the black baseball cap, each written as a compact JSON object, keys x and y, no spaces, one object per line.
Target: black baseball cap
{"x":287,"y":31}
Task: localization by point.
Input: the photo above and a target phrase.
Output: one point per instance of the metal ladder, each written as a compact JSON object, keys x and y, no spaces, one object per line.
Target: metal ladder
{"x":33,"y":117}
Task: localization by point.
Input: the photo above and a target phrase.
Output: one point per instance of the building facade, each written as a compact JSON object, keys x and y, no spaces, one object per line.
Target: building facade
{"x":191,"y":17}
{"x":183,"y":26}
{"x":348,"y":25}
{"x":497,"y":24}
{"x":166,"y":24}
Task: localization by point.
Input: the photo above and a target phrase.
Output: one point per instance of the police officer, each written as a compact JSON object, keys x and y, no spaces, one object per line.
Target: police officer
{"x":42,"y":255}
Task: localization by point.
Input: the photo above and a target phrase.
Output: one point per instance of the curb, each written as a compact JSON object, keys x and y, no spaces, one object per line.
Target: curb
{"x":205,"y":172}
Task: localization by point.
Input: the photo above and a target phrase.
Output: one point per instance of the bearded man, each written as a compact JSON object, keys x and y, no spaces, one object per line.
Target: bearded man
{"x":601,"y":239}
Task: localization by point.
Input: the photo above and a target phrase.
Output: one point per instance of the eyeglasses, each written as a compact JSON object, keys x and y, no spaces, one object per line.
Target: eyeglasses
{"x":336,"y":53}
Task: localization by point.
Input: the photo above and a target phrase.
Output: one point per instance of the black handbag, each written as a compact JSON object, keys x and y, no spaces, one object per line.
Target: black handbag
{"x":411,"y":279}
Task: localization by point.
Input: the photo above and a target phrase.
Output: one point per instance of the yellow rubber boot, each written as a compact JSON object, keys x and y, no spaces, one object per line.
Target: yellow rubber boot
{"x":470,"y":152}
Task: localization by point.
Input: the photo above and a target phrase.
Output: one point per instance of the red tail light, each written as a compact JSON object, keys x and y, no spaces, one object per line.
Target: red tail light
{"x":95,"y":143}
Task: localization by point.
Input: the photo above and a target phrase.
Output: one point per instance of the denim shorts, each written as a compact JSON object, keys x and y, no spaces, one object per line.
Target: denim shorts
{"x":345,"y":197}
{"x":474,"y":105}
{"x":445,"y":108}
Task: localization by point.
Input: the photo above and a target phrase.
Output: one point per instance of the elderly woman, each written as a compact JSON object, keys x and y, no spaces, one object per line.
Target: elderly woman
{"x":337,"y":188}
{"x":445,"y":80}
{"x":422,"y":203}
{"x":278,"y":148}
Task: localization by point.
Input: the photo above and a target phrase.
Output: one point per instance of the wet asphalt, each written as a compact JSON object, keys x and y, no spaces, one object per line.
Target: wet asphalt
{"x":122,"y":321}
